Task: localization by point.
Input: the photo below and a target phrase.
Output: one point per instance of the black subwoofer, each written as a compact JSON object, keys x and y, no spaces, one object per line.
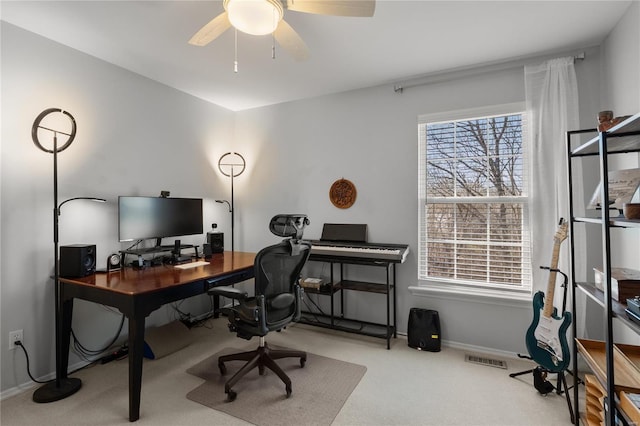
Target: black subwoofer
{"x":423,"y":330}
{"x":77,"y":260}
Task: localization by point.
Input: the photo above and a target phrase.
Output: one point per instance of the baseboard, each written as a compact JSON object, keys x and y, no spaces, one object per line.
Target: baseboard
{"x":472,"y":348}
{"x":481,"y":349}
{"x":447,"y":343}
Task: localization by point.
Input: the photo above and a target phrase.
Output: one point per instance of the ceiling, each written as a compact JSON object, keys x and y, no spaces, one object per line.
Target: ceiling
{"x":403,"y":39}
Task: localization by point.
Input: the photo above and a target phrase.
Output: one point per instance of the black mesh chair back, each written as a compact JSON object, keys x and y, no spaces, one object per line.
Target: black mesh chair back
{"x":277,"y":271}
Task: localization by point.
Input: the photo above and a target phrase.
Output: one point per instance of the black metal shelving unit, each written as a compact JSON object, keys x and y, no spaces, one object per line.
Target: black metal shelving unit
{"x":620,"y":139}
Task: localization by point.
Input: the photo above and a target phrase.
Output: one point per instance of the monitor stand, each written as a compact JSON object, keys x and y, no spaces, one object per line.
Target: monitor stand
{"x":175,"y":254}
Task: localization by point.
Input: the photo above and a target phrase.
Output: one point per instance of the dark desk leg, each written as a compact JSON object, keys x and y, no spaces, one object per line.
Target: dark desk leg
{"x":136,"y":348}
{"x":216,"y":306}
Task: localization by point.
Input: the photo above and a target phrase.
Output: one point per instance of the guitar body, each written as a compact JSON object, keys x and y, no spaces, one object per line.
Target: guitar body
{"x":546,"y":337}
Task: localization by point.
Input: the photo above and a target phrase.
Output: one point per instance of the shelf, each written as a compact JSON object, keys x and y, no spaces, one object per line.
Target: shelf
{"x":156,"y":249}
{"x":617,"y":308}
{"x":310,"y":290}
{"x":619,"y":221}
{"x":330,"y":258}
{"x":363,"y":286}
{"x":339,"y":322}
{"x":619,"y":139}
{"x":626,"y":359}
{"x":348,"y":325}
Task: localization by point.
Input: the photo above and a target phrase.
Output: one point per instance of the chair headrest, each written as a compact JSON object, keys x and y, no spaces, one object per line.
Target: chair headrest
{"x":289,"y":225}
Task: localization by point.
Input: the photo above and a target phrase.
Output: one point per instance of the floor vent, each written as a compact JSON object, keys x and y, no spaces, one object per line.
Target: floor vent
{"x":485,"y":361}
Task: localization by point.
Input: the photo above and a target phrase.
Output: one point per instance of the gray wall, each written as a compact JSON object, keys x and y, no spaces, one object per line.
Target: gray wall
{"x":369,"y":136}
{"x":137,"y":137}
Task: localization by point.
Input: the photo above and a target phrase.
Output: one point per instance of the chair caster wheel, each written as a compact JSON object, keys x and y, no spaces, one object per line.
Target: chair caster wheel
{"x":288,"y":391}
{"x":303,"y":361}
{"x":231,"y":396}
{"x":223,"y":369}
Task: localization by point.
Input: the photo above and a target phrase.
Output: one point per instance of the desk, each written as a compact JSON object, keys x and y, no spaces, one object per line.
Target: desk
{"x":137,"y":293}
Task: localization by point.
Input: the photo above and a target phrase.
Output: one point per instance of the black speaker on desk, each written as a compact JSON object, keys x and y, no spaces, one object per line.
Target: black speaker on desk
{"x":77,"y":260}
{"x":423,"y":331}
{"x":206,"y":249}
{"x":216,"y":241}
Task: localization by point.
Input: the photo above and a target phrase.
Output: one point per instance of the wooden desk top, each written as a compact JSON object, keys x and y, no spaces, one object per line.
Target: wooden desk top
{"x":137,"y":281}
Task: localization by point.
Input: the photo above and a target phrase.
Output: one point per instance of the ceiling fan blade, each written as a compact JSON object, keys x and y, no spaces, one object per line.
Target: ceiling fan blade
{"x":211,"y":31}
{"x":290,"y":41}
{"x":364,"y":8}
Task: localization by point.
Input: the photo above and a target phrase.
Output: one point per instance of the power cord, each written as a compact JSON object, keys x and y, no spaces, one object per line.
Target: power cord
{"x":85,"y":353}
{"x":26,"y":355}
{"x":81,"y":350}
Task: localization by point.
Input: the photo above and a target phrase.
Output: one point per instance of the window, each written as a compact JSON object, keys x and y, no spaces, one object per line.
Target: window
{"x":473,"y":198}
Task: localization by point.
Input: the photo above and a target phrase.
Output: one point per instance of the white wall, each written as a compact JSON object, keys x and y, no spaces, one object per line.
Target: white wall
{"x":135,"y":137}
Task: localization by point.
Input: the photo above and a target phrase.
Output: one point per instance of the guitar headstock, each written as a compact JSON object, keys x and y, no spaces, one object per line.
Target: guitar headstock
{"x":561,"y":233}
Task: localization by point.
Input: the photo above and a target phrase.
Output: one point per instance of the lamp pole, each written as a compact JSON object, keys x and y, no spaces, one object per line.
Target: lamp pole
{"x":62,"y":386}
{"x":234,"y":168}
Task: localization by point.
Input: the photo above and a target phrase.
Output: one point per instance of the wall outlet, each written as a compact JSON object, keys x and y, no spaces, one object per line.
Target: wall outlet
{"x":15,"y":336}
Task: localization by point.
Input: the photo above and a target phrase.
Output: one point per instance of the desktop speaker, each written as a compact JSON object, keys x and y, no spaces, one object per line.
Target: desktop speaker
{"x":77,"y":260}
{"x":423,"y":331}
{"x":216,"y":241}
{"x":206,"y":248}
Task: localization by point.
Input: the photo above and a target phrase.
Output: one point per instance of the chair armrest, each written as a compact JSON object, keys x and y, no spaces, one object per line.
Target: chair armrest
{"x":228,"y":291}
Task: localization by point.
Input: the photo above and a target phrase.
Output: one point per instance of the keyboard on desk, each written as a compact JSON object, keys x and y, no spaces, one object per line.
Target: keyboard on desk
{"x":390,"y":252}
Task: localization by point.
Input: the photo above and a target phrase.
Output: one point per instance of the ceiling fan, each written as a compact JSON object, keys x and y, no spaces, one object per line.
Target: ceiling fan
{"x":261,"y":17}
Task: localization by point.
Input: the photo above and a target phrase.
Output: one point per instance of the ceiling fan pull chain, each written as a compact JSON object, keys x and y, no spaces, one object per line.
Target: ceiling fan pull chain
{"x":235,"y":58}
{"x":273,"y":46}
{"x":273,"y":36}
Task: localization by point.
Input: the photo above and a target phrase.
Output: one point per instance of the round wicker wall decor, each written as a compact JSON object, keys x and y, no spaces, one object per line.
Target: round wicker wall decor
{"x":343,"y":193}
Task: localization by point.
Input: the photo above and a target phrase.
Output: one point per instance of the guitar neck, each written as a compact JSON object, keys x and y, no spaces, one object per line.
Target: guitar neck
{"x":551,"y":285}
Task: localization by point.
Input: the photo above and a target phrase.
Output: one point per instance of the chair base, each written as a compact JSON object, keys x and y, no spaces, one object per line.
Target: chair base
{"x":262,"y":357}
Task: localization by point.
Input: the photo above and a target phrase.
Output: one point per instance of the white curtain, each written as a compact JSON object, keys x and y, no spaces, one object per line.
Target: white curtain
{"x":552,"y":99}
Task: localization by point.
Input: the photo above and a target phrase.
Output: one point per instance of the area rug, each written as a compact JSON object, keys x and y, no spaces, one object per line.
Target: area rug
{"x":320,"y":389}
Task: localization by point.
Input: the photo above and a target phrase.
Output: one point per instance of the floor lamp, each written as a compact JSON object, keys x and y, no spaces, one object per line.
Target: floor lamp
{"x":62,"y":386}
{"x":231,"y":167}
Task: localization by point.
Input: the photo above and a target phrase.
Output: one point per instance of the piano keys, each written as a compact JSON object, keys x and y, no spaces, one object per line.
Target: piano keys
{"x":396,"y":253}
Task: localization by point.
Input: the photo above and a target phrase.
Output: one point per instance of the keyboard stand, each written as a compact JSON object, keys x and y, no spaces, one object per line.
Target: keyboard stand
{"x":341,"y":322}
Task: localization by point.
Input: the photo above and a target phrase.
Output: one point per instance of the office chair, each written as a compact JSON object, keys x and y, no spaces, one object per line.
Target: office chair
{"x":275,"y":304}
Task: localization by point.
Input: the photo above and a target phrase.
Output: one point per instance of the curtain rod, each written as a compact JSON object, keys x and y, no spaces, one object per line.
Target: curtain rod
{"x":457,"y":73}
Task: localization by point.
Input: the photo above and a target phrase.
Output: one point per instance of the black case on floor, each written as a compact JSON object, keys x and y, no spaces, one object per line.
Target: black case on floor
{"x":423,"y":331}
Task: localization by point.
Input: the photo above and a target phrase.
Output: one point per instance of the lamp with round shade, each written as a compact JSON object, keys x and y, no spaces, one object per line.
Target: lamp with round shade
{"x":57,"y":122}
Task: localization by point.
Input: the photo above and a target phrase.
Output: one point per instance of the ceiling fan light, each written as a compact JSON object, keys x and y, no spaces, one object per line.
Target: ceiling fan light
{"x":255,"y":17}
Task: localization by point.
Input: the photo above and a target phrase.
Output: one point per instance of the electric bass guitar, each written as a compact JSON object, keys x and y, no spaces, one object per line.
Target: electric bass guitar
{"x":547,"y":335}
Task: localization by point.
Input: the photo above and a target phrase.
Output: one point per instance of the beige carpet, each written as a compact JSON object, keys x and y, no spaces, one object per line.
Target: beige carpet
{"x":320,"y":389}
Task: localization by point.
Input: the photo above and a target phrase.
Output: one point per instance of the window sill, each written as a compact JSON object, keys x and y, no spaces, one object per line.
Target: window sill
{"x":474,"y":294}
